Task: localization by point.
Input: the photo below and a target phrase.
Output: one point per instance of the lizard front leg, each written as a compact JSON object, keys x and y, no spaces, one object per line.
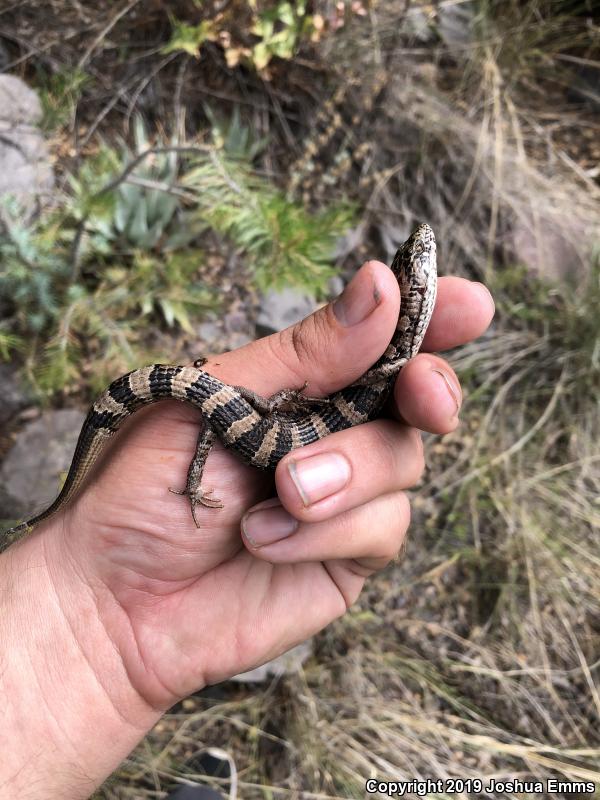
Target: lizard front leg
{"x":289,"y":400}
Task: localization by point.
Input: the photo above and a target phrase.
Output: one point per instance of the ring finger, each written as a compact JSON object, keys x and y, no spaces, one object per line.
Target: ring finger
{"x":371,"y":534}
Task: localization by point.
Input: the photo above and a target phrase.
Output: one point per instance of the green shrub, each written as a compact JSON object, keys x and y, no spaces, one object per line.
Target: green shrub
{"x":123,"y":248}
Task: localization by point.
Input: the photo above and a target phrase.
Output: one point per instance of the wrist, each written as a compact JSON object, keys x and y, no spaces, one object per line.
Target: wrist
{"x":70,"y":714}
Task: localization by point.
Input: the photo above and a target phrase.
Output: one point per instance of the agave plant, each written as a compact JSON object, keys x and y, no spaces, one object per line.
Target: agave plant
{"x":145,"y":211}
{"x":146,"y":204}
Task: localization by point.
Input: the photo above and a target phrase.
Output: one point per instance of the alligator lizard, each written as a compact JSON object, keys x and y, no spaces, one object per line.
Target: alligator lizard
{"x":260,"y":430}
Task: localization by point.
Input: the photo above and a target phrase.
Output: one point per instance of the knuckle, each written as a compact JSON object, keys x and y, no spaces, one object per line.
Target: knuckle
{"x":299,"y":342}
{"x":384,"y":441}
{"x":394,"y":450}
{"x":400,"y":509}
{"x":306,"y":342}
{"x":404,"y":512}
{"x":418,"y":449}
{"x":414,"y":465}
{"x":399,"y":514}
{"x":284,"y":352}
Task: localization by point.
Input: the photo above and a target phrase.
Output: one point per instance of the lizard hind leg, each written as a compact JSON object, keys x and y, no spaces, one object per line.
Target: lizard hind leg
{"x":193,"y":489}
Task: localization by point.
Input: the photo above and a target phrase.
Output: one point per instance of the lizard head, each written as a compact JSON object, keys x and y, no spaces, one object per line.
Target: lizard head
{"x":415,"y":269}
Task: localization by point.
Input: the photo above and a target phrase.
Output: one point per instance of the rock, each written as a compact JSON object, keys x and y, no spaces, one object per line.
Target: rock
{"x":13,"y":395}
{"x":32,"y":472}
{"x":286,"y":664}
{"x":18,"y":103}
{"x":280,"y":309}
{"x":336,"y":285}
{"x":455,"y":23}
{"x":548,"y":246}
{"x":25,"y":169}
{"x":220,"y":334}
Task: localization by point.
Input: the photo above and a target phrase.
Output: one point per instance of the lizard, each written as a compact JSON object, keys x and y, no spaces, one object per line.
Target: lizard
{"x":261,"y":431}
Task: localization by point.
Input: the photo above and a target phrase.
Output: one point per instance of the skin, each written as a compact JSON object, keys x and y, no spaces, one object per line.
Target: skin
{"x":118,"y":607}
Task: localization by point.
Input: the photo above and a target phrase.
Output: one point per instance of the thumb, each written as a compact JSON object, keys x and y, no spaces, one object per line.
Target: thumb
{"x":329,"y":349}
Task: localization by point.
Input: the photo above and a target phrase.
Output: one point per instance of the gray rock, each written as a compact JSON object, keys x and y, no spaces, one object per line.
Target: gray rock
{"x":455,"y":23}
{"x":550,"y":245}
{"x":336,"y":286}
{"x":286,"y":664}
{"x":13,"y":394}
{"x":219,"y":334}
{"x":18,"y":103}
{"x":25,"y":169}
{"x":279,"y":310}
{"x":32,"y":472}
{"x":211,"y":334}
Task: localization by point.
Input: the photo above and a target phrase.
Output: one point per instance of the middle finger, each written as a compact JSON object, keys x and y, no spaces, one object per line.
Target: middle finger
{"x":349,"y":468}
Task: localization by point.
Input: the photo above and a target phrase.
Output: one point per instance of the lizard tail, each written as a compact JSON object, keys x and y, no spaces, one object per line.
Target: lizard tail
{"x":122,"y":398}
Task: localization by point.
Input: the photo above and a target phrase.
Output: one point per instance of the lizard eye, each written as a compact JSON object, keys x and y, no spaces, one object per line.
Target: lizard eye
{"x":419,"y":248}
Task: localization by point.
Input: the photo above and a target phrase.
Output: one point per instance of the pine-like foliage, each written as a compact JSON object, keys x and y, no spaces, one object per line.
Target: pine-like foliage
{"x":282,"y":243}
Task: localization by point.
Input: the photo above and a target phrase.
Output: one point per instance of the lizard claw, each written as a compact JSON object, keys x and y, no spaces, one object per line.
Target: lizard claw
{"x":205,"y":499}
{"x":199,"y":497}
{"x":202,"y":498}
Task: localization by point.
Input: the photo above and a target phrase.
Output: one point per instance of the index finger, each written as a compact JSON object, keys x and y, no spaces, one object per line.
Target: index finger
{"x":463,"y":311}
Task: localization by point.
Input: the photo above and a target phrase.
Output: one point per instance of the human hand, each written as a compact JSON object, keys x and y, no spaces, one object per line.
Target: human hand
{"x":152,"y":608}
{"x":220,"y":604}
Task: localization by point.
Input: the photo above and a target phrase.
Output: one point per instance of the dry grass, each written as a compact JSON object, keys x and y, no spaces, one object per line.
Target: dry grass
{"x":479,"y":655}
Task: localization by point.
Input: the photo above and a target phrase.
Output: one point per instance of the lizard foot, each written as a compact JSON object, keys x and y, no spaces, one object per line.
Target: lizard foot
{"x":199,"y":497}
{"x":286,"y":400}
{"x":295,"y":400}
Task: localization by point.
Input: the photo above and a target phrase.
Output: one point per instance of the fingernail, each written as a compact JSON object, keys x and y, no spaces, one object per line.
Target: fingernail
{"x":319,"y":476}
{"x":267,"y":523}
{"x":357,"y":301}
{"x":453,"y":390}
